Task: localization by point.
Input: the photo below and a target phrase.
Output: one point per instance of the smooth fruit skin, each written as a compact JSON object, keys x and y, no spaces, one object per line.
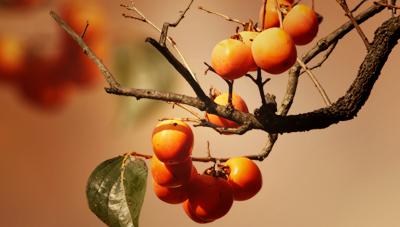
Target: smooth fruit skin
{"x":244,"y":178}
{"x":192,"y":215}
{"x":171,"y":175}
{"x":172,"y":141}
{"x":274,"y":50}
{"x":209,"y":197}
{"x":231,"y":59}
{"x":248,"y":38}
{"x":237,"y":102}
{"x":170,"y":195}
{"x":301,"y":23}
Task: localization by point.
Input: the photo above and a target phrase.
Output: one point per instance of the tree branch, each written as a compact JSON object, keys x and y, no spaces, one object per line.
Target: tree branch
{"x":346,"y":107}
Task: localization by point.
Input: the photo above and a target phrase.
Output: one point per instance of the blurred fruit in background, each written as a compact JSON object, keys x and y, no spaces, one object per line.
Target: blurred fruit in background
{"x":12,"y":58}
{"x":48,"y":81}
{"x":21,"y":4}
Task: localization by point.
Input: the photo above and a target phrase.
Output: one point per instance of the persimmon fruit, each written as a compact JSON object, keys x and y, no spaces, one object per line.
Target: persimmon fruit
{"x":171,"y":175}
{"x":274,"y":50}
{"x":12,"y":57}
{"x":244,"y":177}
{"x":222,"y":99}
{"x":231,"y":59}
{"x":170,"y":195}
{"x":209,"y":197}
{"x":172,"y":141}
{"x":301,"y":23}
{"x":271,"y":17}
{"x":192,"y":215}
{"x":248,"y":38}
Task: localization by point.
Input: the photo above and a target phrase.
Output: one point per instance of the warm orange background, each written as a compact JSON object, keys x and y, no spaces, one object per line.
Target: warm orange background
{"x":346,"y":175}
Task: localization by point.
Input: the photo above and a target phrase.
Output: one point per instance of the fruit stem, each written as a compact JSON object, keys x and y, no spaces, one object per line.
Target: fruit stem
{"x":278,"y":9}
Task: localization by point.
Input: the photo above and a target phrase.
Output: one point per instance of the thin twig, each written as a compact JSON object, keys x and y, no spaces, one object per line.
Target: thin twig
{"x":86,"y":49}
{"x":390,"y":6}
{"x":278,"y":9}
{"x":264,"y":14}
{"x":167,"y":25}
{"x":316,"y":83}
{"x":144,"y":19}
{"x":324,"y":58}
{"x":196,"y":115}
{"x":349,"y":14}
{"x":85,"y":29}
{"x":223,"y":16}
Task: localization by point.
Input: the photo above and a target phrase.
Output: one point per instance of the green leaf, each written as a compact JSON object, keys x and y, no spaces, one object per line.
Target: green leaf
{"x":117,"y":201}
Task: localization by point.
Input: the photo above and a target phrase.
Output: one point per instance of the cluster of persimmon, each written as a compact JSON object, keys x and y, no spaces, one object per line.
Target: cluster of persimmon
{"x":21,"y":4}
{"x":272,"y":46}
{"x":205,"y":197}
{"x":47,"y":81}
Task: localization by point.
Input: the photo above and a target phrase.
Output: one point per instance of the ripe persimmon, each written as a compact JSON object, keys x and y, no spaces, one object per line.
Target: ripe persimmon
{"x":270,"y":17}
{"x":171,"y":175}
{"x":172,"y":141}
{"x":231,"y":59}
{"x":209,"y":197}
{"x":192,"y":215}
{"x":247,"y":38}
{"x":12,"y":57}
{"x":274,"y":50}
{"x":244,"y":177}
{"x":222,"y":99}
{"x":170,"y":195}
{"x":301,"y":23}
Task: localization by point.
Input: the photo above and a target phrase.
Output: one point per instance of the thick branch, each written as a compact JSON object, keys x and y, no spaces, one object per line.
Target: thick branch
{"x":321,"y":46}
{"x":346,"y":107}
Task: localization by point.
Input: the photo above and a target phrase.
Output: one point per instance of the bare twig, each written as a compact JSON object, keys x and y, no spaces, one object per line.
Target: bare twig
{"x":390,"y":6}
{"x":322,"y":45}
{"x":278,"y":9}
{"x":85,"y":29}
{"x":344,"y":109}
{"x":264,"y":13}
{"x":321,"y":90}
{"x":144,"y":19}
{"x":349,"y":14}
{"x":223,"y":16}
{"x":324,"y":58}
{"x":92,"y":56}
{"x":166,"y":26}
{"x":196,"y":115}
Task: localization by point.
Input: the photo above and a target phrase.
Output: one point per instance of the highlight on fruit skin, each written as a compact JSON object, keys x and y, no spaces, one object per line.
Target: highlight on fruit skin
{"x":222,"y":99}
{"x":301,"y":23}
{"x":274,"y":51}
{"x":172,"y":141}
{"x":231,"y":59}
{"x":244,"y":177}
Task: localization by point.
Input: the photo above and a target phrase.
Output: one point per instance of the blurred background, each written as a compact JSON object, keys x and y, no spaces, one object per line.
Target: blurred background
{"x":57,"y":123}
